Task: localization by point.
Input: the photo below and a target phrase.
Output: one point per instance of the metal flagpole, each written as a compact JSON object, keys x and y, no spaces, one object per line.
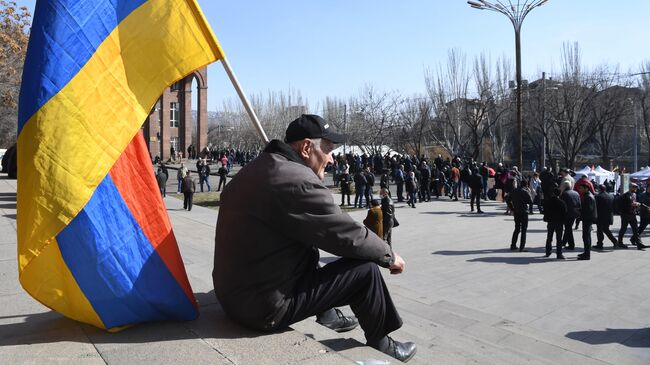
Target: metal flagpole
{"x":244,"y":100}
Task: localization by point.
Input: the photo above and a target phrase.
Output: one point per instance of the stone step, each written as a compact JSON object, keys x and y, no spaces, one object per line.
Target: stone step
{"x":501,"y":337}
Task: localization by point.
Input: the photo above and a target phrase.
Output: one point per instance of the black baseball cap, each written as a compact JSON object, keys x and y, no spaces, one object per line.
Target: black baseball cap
{"x":312,"y":126}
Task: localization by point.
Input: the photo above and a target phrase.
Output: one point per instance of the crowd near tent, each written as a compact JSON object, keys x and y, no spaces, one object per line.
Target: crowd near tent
{"x":641,"y":177}
{"x":599,"y":175}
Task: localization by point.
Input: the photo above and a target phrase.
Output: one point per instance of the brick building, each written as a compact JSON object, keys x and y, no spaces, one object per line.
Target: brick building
{"x":170,"y":122}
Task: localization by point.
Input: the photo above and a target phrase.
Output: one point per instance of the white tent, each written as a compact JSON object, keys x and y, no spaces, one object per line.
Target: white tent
{"x":642,"y":174}
{"x":584,"y":171}
{"x":360,"y":150}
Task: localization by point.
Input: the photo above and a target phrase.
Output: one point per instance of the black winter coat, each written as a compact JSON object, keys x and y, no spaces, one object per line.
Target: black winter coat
{"x":605,"y":208}
{"x":588,"y":212}
{"x":555,"y":210}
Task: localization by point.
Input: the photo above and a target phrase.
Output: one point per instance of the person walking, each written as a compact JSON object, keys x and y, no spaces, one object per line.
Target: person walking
{"x":180,"y":174}
{"x":370,"y":184}
{"x":189,"y":187}
{"x":204,"y":174}
{"x":161,"y":179}
{"x":455,"y":179}
{"x":398,"y":177}
{"x":388,"y":215}
{"x":360,"y":183}
{"x":589,"y":215}
{"x":519,"y":199}
{"x":345,"y":180}
{"x":555,"y":212}
{"x":605,"y":211}
{"x":223,"y":174}
{"x":629,"y":205}
{"x":476,"y":186}
{"x":411,"y":188}
{"x":572,"y":200}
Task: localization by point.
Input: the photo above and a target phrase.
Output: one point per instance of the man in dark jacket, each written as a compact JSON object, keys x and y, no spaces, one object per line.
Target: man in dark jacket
{"x":605,"y":210}
{"x":588,"y":215}
{"x":572,"y":200}
{"x":388,"y":215}
{"x":476,"y":186}
{"x":360,"y":183}
{"x":629,"y":205}
{"x":188,"y":188}
{"x":554,"y":215}
{"x":425,"y":181}
{"x":519,"y":201}
{"x":275,"y":216}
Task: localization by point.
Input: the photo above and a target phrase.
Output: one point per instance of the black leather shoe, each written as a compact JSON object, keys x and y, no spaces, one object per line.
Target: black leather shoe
{"x":640,"y":246}
{"x":513,"y":248}
{"x":583,"y":257}
{"x":547,"y":254}
{"x":598,"y":247}
{"x":342,"y":324}
{"x":621,"y":245}
{"x":402,"y":351}
{"x":561,"y":257}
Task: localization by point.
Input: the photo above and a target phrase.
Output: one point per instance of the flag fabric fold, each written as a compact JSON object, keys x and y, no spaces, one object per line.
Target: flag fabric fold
{"x":94,"y":240}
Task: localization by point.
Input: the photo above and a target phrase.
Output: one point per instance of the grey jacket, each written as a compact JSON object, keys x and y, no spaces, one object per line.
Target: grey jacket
{"x":274,"y":216}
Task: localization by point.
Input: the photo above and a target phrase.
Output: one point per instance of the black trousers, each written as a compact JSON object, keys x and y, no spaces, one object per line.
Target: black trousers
{"x":187,"y":200}
{"x":631,"y":220}
{"x":343,"y":195}
{"x":554,"y":228}
{"x":346,"y":282}
{"x":602,"y":230}
{"x":568,"y":233}
{"x":521,"y":225}
{"x":643,"y":223}
{"x":586,"y":237}
{"x":425,"y":190}
{"x":222,"y":182}
{"x":400,"y":191}
{"x":476,"y":196}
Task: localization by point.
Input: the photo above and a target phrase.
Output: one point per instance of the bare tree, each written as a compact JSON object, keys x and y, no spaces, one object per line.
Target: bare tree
{"x":611,"y":108}
{"x":373,"y":116}
{"x":414,"y":122}
{"x":448,"y":88}
{"x":570,"y":114}
{"x":644,"y":102}
{"x":465,"y":121}
{"x":14,"y":34}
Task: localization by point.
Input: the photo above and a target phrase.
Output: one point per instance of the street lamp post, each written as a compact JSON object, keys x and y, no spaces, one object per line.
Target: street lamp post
{"x":516,"y":13}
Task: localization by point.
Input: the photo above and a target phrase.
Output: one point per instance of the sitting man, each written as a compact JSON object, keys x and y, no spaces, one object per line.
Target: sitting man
{"x":275,"y":215}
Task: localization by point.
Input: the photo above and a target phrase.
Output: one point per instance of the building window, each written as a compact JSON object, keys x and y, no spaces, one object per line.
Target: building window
{"x":173,"y":143}
{"x":173,"y":115}
{"x":175,"y":86}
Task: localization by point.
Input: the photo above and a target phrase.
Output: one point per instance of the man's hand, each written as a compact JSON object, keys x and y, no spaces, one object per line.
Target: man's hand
{"x":398,"y":266}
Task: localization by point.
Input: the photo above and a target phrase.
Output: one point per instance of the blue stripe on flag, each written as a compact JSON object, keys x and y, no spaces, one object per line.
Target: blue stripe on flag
{"x":115,"y":265}
{"x":64,"y":36}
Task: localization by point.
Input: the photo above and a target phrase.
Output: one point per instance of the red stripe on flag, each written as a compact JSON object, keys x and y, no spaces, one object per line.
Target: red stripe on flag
{"x":133,"y":176}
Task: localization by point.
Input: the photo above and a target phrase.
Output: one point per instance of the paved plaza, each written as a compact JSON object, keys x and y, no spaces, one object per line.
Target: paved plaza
{"x":465,"y":299}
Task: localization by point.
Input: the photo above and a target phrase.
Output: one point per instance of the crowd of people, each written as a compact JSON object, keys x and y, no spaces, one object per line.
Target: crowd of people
{"x":561,"y":199}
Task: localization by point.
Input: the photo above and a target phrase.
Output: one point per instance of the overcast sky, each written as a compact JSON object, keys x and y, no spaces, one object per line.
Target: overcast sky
{"x":335,"y":47}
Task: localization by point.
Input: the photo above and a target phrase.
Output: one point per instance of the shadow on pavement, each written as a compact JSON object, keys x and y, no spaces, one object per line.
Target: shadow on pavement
{"x":478,"y":252}
{"x":630,"y":337}
{"x":51,"y":327}
{"x":11,"y":216}
{"x":515,"y":260}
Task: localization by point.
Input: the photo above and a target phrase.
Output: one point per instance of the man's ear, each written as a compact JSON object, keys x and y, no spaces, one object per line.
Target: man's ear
{"x":304,"y":148}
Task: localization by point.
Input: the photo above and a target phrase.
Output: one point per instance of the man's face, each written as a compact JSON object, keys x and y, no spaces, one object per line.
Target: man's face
{"x":319,"y":158}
